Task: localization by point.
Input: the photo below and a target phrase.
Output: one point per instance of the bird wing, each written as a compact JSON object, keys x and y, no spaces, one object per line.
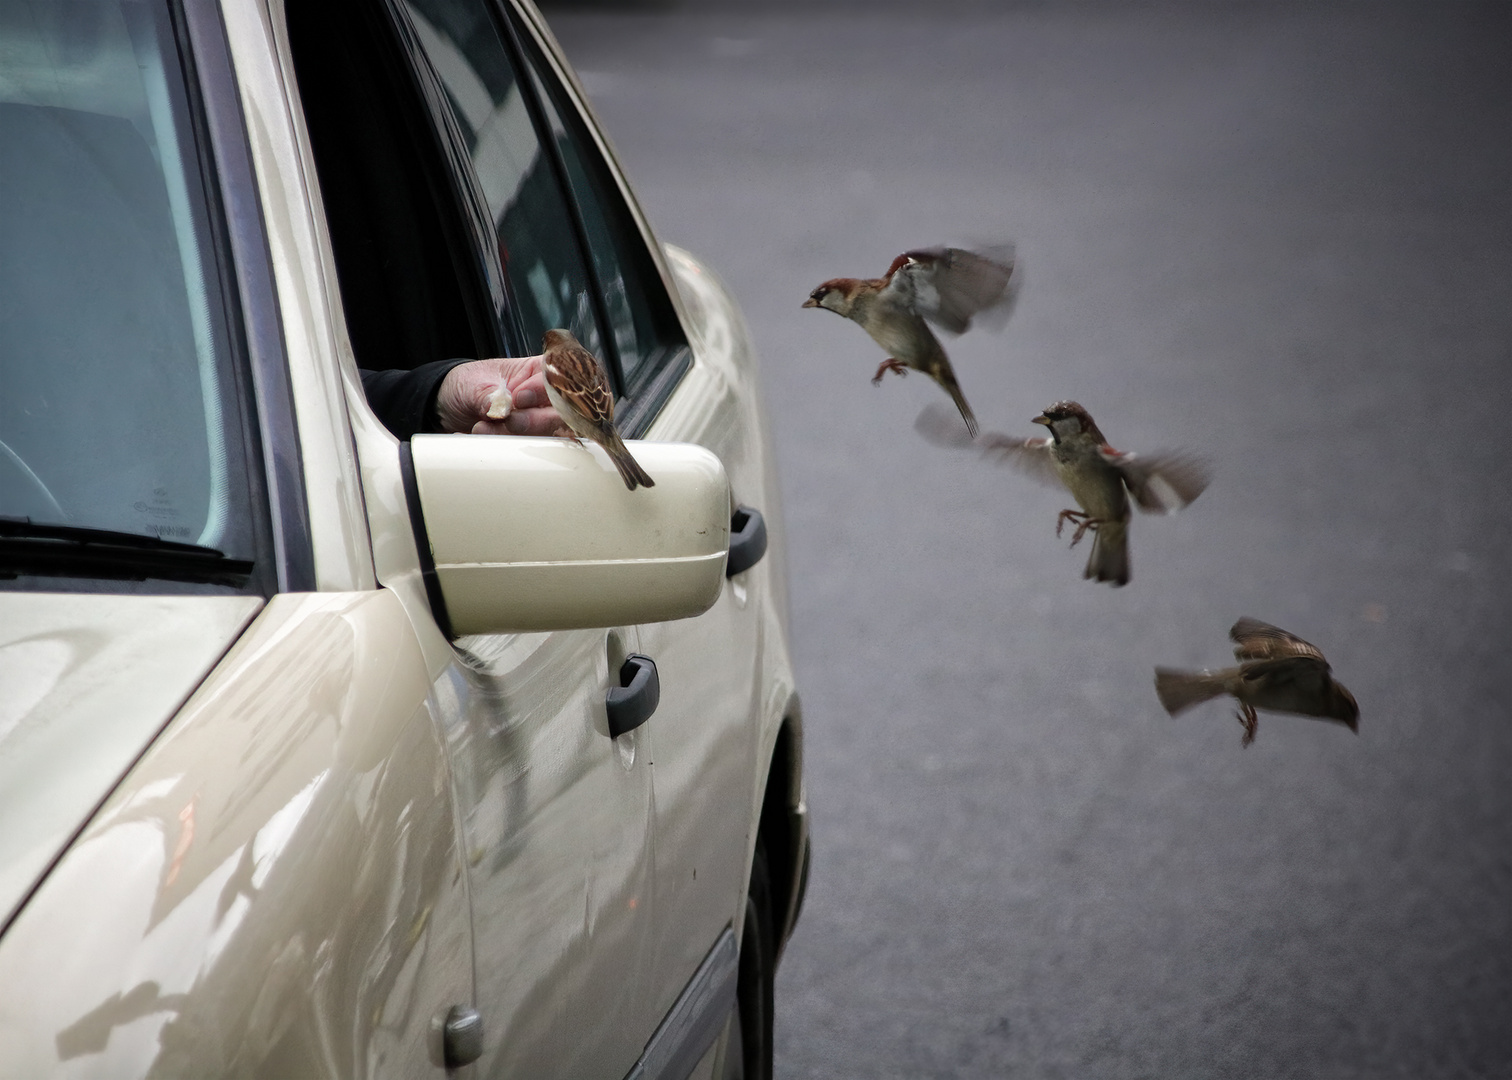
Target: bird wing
{"x":1029,"y":456}
{"x":1256,"y":640}
{"x":1305,"y":676}
{"x":948,"y":286}
{"x":577,"y":376}
{"x":1298,"y":684}
{"x":1161,"y":483}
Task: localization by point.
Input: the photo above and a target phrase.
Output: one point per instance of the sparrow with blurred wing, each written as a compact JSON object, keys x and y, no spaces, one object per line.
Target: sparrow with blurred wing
{"x":1100,"y":478}
{"x":579,"y":390}
{"x":1279,"y":672}
{"x":944,"y":286}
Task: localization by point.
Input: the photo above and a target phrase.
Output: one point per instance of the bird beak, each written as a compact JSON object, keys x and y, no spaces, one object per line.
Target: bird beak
{"x":811,"y":302}
{"x":1041,"y":419}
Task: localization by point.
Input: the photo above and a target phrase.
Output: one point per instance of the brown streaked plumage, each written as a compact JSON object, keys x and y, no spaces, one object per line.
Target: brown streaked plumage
{"x":1100,"y":478}
{"x":1279,"y":672}
{"x":944,"y":286}
{"x":580,"y":393}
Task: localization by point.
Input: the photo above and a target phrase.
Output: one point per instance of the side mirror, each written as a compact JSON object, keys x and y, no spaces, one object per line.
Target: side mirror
{"x":529,"y":534}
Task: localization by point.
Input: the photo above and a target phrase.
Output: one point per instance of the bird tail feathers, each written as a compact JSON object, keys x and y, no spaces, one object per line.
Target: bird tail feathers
{"x":629,"y":469}
{"x":1109,"y":560}
{"x":1180,"y":690}
{"x":946,"y":378}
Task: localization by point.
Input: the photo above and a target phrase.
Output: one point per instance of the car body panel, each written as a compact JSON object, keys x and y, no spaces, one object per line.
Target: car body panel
{"x":308,"y":300}
{"x":533,"y":963}
{"x":716,"y":404}
{"x":274,"y":889}
{"x":718,"y":724}
{"x":557,"y":820}
{"x":89,"y":681}
{"x":353,"y":814}
{"x":525,"y":1020}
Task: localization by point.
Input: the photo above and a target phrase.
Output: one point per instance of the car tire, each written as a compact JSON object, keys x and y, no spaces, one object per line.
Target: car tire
{"x":748,"y":1047}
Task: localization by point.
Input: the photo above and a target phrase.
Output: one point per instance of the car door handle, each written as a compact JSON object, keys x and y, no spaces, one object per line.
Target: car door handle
{"x":631,"y":703}
{"x":748,"y":540}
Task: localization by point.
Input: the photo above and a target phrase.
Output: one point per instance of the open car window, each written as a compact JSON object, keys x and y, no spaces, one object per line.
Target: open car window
{"x":122,"y":428}
{"x":537,"y":235}
{"x":571,"y":251}
{"x":459,"y":229}
{"x":644,"y":325}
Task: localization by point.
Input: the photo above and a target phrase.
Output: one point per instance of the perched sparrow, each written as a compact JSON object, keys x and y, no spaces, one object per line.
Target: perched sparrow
{"x":1279,"y":672}
{"x":580,"y":392}
{"x":1099,"y":477}
{"x":946,"y":286}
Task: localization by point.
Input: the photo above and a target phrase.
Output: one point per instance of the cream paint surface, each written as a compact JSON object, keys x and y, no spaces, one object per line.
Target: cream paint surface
{"x":86,"y":681}
{"x":273,"y":890}
{"x":309,"y":305}
{"x":557,"y":818}
{"x":714,"y":732}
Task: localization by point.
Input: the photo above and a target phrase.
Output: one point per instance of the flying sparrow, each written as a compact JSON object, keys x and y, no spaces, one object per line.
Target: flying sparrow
{"x":579,"y":390}
{"x":1100,"y":478}
{"x":1279,"y":672}
{"x":945,"y":286}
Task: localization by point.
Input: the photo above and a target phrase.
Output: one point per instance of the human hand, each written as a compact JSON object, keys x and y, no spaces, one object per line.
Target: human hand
{"x":467,"y":392}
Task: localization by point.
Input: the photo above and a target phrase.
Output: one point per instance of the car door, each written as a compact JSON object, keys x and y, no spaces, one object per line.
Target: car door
{"x":706,"y":726}
{"x":420,"y":139}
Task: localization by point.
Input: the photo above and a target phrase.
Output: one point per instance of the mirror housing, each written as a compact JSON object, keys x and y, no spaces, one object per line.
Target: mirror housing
{"x":527,"y":534}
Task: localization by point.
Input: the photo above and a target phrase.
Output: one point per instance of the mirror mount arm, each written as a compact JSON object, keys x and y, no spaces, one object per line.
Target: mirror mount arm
{"x":422,"y":542}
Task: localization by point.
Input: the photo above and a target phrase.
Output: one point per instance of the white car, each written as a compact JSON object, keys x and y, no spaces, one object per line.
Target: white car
{"x":329,"y":753}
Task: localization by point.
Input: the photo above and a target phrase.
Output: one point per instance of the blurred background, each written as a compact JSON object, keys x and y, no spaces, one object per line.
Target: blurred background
{"x":1278,"y":234}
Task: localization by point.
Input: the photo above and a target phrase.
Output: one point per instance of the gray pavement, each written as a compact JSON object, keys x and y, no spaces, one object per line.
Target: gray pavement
{"x":1280,"y":234}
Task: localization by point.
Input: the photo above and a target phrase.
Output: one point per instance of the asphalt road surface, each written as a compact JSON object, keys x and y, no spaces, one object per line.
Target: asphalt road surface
{"x":1280,"y":235}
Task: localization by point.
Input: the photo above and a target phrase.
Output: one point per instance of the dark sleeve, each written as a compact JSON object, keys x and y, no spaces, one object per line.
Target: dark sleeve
{"x":406,"y":400}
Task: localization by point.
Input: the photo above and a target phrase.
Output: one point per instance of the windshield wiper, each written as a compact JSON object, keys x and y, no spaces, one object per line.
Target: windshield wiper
{"x":29,"y":547}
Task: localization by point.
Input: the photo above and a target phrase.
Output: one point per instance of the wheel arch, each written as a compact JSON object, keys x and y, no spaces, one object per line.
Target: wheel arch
{"x":783,"y":824}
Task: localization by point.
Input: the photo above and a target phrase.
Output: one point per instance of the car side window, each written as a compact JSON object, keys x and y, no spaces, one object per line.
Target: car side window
{"x":537,"y":235}
{"x":412,"y":286}
{"x":641,"y":317}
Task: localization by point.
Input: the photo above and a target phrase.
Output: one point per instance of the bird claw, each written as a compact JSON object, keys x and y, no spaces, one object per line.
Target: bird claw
{"x":565,"y":432}
{"x":1070,"y":515}
{"x":886,"y":366}
{"x":1250,"y":721}
{"x":1081,"y":530}
{"x":1084,"y":521}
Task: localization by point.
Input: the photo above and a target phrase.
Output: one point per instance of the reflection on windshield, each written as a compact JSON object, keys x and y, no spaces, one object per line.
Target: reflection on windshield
{"x":114,"y":372}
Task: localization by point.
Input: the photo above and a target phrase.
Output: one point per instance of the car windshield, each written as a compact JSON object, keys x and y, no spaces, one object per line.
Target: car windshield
{"x":119,"y":409}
